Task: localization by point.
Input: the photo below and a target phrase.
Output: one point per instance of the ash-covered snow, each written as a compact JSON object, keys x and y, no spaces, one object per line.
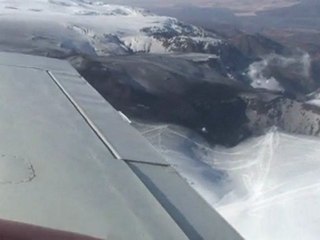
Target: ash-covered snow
{"x":195,"y":57}
{"x":90,"y":27}
{"x":267,"y":187}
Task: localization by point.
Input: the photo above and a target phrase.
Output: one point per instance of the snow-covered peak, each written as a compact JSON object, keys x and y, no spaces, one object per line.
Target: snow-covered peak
{"x":96,"y":28}
{"x":70,"y":7}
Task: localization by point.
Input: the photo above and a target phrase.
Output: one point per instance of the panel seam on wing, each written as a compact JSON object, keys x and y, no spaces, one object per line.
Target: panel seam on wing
{"x":85,"y":117}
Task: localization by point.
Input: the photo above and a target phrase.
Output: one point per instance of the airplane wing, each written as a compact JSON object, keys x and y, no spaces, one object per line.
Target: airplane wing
{"x":70,"y":163}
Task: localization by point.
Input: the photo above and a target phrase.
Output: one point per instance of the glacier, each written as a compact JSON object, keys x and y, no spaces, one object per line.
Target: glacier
{"x":92,"y":28}
{"x":267,"y":187}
